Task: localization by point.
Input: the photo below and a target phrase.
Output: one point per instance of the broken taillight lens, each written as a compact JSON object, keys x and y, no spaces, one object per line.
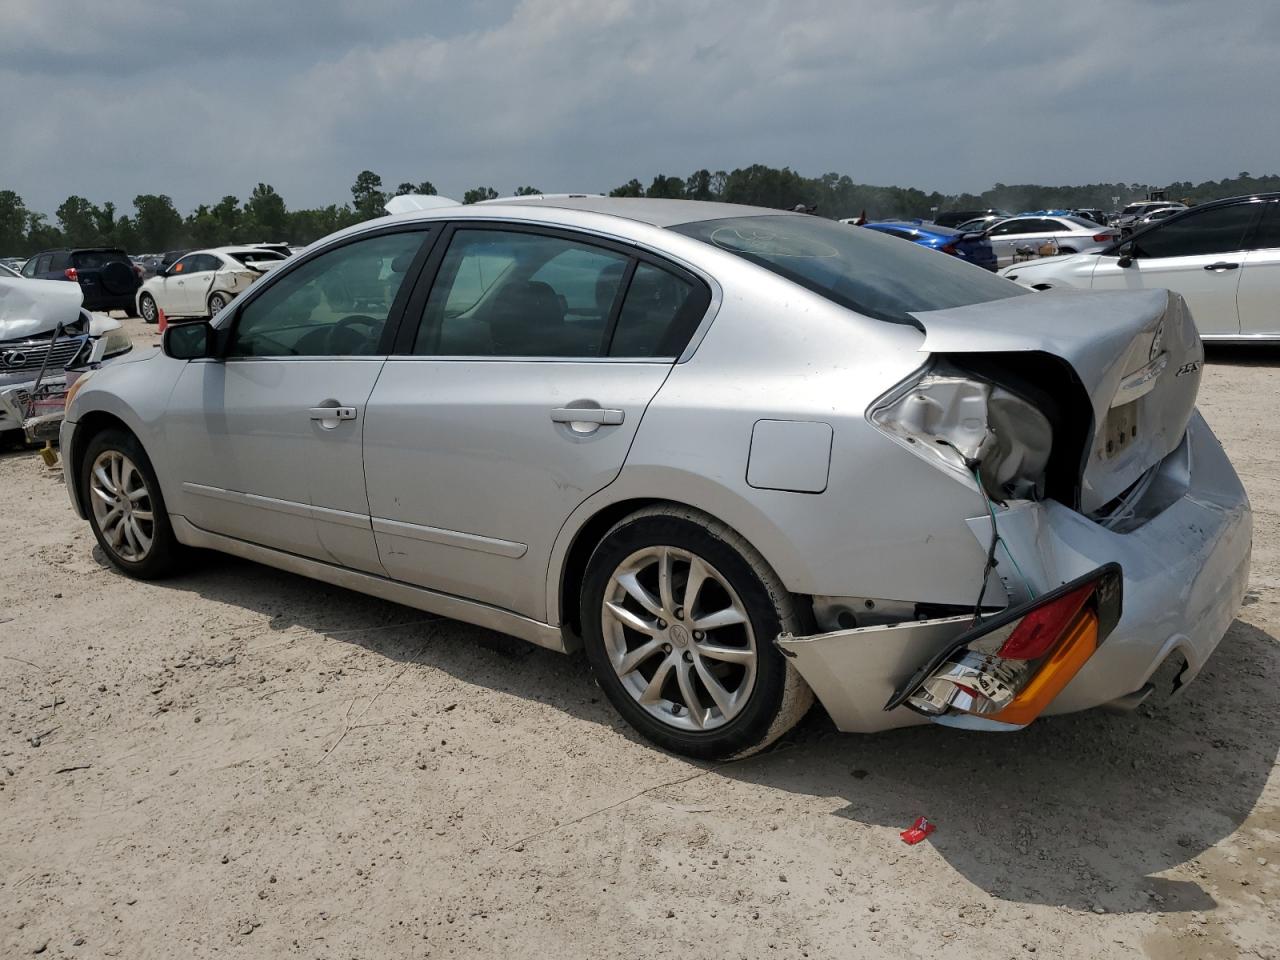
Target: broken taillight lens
{"x":952,"y":419}
{"x":1008,"y":668}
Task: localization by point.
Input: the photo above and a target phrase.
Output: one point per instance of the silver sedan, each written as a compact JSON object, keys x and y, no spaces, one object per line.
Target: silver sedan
{"x":739,"y":458}
{"x":1046,"y":236}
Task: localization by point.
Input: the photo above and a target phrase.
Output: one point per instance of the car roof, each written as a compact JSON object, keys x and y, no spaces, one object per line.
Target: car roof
{"x":653,"y":211}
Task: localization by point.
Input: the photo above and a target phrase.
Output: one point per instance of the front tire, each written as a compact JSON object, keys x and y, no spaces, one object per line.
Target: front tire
{"x":148,"y":309}
{"x":126,"y":509}
{"x":679,"y":614}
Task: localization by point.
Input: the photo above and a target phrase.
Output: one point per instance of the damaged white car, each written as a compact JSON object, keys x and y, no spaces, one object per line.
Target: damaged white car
{"x":740,"y":457}
{"x":43,"y":332}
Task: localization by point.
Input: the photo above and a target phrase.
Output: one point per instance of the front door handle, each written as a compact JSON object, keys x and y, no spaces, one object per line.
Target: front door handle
{"x":609,"y":418}
{"x":329,"y":416}
{"x":1221,"y":265}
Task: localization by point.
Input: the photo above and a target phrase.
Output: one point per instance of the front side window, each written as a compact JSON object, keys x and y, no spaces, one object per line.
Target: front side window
{"x":874,"y":275}
{"x":184,"y":266}
{"x":334,"y":305}
{"x":510,"y":294}
{"x":1209,"y":232}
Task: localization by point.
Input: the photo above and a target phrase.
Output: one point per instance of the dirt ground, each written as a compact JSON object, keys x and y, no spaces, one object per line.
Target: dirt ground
{"x":244,"y":762}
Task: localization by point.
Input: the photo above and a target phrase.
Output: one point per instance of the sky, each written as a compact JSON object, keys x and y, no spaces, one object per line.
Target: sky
{"x":110,"y":99}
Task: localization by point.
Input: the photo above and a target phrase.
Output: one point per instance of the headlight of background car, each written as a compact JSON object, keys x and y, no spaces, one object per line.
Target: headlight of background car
{"x":973,"y":427}
{"x":118,"y":342}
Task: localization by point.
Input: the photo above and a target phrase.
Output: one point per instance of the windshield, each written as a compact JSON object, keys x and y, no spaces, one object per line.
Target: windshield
{"x":874,"y":274}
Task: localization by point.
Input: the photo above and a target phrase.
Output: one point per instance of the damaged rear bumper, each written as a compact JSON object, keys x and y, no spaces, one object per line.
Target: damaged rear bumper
{"x":1184,"y":576}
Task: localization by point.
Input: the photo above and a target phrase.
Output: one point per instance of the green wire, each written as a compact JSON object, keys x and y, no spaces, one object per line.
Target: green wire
{"x":977,"y":475}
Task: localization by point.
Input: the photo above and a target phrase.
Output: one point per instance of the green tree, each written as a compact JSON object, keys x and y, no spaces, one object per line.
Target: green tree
{"x":203,"y":229}
{"x":367,"y":196}
{"x":157,"y":221}
{"x":671,"y":188}
{"x":480,"y":193}
{"x":40,"y":235}
{"x":228,"y":215}
{"x":265,"y":214}
{"x":527,"y":191}
{"x":424,"y":189}
{"x":632,"y":188}
{"x":14,"y":222}
{"x":76,"y":219}
{"x":698,"y":186}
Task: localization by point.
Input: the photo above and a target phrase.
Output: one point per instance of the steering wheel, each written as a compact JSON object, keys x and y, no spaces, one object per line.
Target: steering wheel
{"x":343,"y":328}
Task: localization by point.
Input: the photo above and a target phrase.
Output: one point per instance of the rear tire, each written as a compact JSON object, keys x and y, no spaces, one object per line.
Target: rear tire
{"x":697,"y":675}
{"x":148,"y":309}
{"x":217,"y":303}
{"x":126,"y":508}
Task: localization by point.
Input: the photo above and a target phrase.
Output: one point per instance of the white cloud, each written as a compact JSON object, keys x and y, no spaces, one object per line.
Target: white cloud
{"x":584,"y":94}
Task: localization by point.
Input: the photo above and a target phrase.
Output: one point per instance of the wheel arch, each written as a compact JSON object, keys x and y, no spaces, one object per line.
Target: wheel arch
{"x":573,"y":551}
{"x":88,"y":427}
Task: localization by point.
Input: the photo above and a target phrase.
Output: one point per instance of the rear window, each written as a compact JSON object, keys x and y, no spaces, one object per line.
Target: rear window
{"x":94,"y":259}
{"x":256,"y":256}
{"x":863,"y":270}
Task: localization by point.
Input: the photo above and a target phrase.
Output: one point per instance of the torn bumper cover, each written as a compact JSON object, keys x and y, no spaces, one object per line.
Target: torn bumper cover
{"x":1182,"y":576}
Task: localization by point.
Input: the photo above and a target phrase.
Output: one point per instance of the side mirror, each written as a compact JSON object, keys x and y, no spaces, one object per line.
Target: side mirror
{"x":188,"y":341}
{"x":1126,"y":255}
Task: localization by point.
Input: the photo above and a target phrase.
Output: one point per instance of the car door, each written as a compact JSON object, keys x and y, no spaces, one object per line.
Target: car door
{"x":1198,"y":255}
{"x":193,"y":283}
{"x":1008,"y":236}
{"x":1258,"y":296}
{"x":268,"y":436}
{"x":174,"y":296}
{"x":514,"y":393}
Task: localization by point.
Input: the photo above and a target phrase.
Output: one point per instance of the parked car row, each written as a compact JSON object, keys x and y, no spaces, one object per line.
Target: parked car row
{"x":909,"y":514}
{"x":1222,"y":257}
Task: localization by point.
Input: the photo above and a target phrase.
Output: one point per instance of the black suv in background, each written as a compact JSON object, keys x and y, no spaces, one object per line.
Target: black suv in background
{"x":107,"y":277}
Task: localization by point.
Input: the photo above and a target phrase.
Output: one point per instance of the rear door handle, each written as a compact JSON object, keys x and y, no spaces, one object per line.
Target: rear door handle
{"x":1221,"y":265}
{"x":333,"y":413}
{"x":609,"y":418}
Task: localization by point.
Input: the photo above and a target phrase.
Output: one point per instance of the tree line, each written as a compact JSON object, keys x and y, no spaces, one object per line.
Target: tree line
{"x":155,"y":224}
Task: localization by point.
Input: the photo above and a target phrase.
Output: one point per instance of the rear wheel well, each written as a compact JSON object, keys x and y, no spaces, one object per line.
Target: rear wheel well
{"x":88,"y":427}
{"x":588,"y":538}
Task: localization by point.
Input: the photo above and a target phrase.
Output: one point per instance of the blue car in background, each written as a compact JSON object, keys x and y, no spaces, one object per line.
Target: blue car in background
{"x":973,"y":248}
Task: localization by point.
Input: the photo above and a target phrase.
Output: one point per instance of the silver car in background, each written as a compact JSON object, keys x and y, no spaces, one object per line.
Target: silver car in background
{"x":1047,"y":236}
{"x":739,"y":457}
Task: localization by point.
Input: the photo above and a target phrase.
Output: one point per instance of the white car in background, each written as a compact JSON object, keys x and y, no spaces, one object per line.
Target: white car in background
{"x":201,"y":283}
{"x":1223,"y":257}
{"x":1035,"y":234}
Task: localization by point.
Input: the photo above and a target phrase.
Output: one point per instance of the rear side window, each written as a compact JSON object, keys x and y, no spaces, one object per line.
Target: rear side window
{"x":504,"y":293}
{"x":658,"y":315}
{"x":875,"y":275}
{"x":1207,"y":232}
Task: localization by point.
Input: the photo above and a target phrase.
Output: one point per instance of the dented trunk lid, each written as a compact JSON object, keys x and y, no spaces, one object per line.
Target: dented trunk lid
{"x":1137,"y":354}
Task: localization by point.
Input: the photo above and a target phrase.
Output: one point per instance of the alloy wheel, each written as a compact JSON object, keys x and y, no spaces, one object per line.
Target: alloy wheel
{"x":216,"y":303}
{"x":122,"y":505}
{"x":679,"y":638}
{"x":148,"y":309}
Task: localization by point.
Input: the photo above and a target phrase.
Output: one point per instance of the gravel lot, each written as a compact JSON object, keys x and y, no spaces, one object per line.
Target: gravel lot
{"x":243,"y":760}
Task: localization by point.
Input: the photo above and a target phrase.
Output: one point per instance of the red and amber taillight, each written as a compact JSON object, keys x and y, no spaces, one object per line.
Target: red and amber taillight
{"x":1009,"y":667}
